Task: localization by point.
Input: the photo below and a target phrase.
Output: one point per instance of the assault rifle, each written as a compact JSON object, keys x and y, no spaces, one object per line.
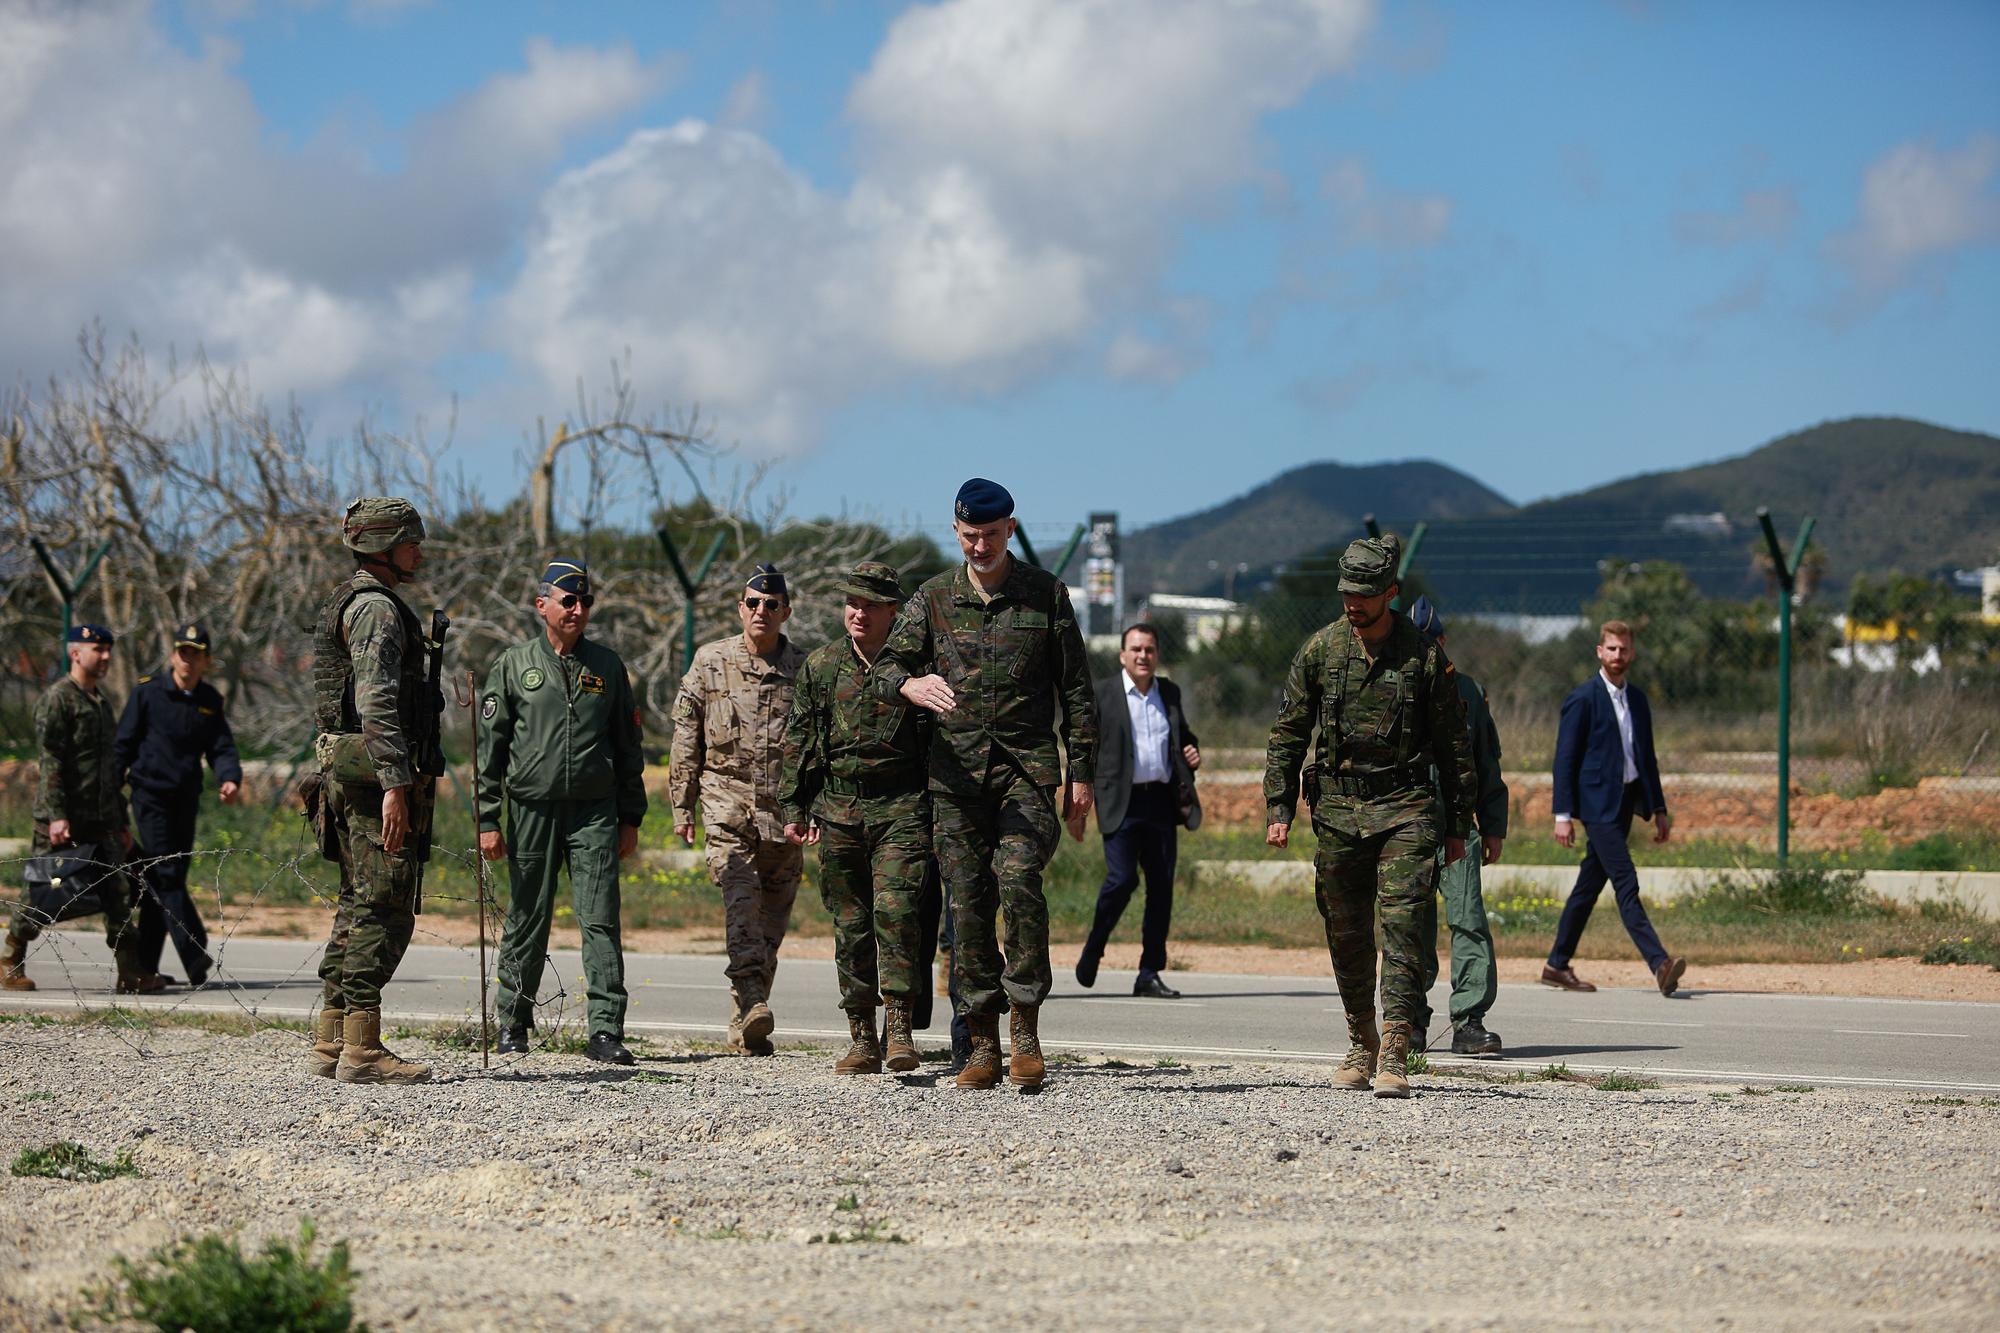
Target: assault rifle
{"x":430,"y":756}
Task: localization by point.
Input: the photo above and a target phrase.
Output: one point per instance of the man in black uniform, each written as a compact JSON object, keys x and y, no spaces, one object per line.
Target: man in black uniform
{"x":173,"y":721}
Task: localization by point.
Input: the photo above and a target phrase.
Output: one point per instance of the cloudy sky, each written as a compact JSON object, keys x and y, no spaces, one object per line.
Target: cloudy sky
{"x":1126,"y":254}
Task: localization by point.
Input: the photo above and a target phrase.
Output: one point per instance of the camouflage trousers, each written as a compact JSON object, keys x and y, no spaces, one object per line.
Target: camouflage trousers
{"x":871,"y":877}
{"x":759,"y":879}
{"x":543,"y":837}
{"x":991,"y":851}
{"x":378,"y":900}
{"x":114,"y":890}
{"x":1395,"y":871}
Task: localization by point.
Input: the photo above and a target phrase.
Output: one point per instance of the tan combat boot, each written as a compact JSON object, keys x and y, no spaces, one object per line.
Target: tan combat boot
{"x":757,"y":1025}
{"x":363,"y":1057}
{"x":13,"y":966}
{"x":1025,"y":1066}
{"x":325,"y":1053}
{"x":1359,"y":1066}
{"x":902,"y":1054}
{"x":983,"y":1069}
{"x":1393,"y":1078}
{"x":864,"y":1056}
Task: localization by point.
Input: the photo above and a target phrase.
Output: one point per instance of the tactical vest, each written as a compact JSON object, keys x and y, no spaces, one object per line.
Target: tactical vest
{"x":333,"y":670}
{"x":1395,"y":739}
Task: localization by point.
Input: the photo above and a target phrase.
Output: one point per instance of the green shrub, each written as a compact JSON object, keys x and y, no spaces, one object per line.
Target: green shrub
{"x":1795,"y":890}
{"x":1963,"y":949}
{"x":208,"y":1284}
{"x":71,"y":1161}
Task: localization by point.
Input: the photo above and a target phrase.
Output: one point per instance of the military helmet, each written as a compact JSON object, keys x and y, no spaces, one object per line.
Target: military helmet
{"x":376,"y":523}
{"x":1368,"y":566}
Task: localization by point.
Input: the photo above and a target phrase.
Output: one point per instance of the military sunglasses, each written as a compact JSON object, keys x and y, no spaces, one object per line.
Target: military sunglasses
{"x":569,"y":599}
{"x":759,"y":603}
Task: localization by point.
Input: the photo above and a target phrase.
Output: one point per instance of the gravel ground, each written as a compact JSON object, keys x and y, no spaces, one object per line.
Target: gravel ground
{"x":697,"y":1192}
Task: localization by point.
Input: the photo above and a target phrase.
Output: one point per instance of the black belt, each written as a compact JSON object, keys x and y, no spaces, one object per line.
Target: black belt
{"x":1385,"y":783}
{"x":896,"y":784}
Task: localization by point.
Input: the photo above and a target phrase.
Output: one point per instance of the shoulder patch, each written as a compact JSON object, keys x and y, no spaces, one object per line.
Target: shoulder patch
{"x":489,"y":707}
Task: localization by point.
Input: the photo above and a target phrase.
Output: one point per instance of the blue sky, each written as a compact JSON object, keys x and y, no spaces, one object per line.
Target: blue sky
{"x":1126,"y":254}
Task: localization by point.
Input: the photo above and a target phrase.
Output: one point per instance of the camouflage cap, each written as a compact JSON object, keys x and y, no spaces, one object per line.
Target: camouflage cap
{"x":874,"y":581}
{"x":375,"y":523}
{"x":1368,"y":566}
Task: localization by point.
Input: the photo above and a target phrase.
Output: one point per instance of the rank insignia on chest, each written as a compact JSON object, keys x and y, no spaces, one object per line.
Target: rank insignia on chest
{"x":531,"y":679}
{"x":590,"y":684}
{"x":1030,"y":620}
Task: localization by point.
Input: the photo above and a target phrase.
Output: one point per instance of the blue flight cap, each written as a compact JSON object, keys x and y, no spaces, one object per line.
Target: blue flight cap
{"x":1426,"y":618}
{"x":767,"y":579}
{"x":567,"y":576}
{"x":91,"y":634}
{"x":983,"y":501}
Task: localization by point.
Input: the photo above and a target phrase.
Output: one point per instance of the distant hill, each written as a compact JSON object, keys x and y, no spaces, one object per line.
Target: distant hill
{"x":1294,"y":513}
{"x":1888,"y":493}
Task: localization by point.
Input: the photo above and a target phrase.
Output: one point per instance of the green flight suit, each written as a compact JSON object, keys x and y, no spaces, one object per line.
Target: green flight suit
{"x":559,"y":757}
{"x":1383,"y":723}
{"x":1016,"y":663}
{"x":854,"y":763}
{"x":1475,"y":979}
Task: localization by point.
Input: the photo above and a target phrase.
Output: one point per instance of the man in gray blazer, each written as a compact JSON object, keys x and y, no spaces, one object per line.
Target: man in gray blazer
{"x":1146,"y":760}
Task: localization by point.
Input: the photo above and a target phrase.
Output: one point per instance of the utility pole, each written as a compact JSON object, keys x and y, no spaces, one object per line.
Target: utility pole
{"x":1787,"y":572}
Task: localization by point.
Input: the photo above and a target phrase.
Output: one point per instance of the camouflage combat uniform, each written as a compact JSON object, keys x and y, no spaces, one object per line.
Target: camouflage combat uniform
{"x":854,"y":763}
{"x":1015,"y":661}
{"x":369,"y":682}
{"x":79,"y":781}
{"x":1382,"y":722}
{"x":728,"y":749}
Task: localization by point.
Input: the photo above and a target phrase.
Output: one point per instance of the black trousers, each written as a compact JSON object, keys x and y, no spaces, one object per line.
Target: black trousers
{"x":1146,"y":841}
{"x":163,"y":824}
{"x":1608,"y":858}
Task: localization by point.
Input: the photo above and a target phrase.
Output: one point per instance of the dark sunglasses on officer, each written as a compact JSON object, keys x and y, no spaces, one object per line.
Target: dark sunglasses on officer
{"x":759,"y":603}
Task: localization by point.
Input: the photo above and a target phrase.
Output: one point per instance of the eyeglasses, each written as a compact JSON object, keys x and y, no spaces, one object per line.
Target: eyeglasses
{"x":759,"y":603}
{"x":570,"y":599}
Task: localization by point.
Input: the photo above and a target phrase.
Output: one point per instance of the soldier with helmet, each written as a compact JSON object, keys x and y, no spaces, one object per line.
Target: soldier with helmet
{"x":376,"y":714}
{"x":1384,"y":701}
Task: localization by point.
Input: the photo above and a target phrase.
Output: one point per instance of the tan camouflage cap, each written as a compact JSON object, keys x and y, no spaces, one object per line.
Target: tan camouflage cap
{"x":375,"y":523}
{"x":1368,"y":566}
{"x":873,"y":580}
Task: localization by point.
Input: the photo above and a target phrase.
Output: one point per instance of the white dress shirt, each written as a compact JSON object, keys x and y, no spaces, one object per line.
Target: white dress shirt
{"x":1150,"y":761}
{"x":1621,"y":706}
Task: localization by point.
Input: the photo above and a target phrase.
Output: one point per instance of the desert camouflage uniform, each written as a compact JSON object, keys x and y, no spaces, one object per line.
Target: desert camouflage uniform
{"x":1016,"y":664}
{"x":728,"y":749}
{"x":1382,"y":723}
{"x":370,"y":649}
{"x":79,"y":781}
{"x":854,"y":763}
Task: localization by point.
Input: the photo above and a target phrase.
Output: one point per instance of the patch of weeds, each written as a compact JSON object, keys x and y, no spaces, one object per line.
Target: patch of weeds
{"x":1059,"y":1058}
{"x":643,"y":1172}
{"x":1799,"y":889}
{"x":209,"y":1284}
{"x":71,"y":1161}
{"x":1558,"y":1073}
{"x":1617,"y":1082}
{"x":941,"y":1055}
{"x":42,"y":1096}
{"x":648,"y":1076}
{"x":1721,"y":1096}
{"x":1794,"y":1087}
{"x":1168,"y":1064}
{"x":847,"y":1203}
{"x":871,"y":1233}
{"x":1749,"y":1091}
{"x":1963,"y":949}
{"x":30,"y":1020}
{"x":1117,"y":1064}
{"x":1417,"y":1063}
{"x":1914,"y":1101}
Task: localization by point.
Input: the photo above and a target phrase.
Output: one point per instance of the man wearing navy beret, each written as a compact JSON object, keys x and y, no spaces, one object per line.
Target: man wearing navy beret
{"x":993,"y":649}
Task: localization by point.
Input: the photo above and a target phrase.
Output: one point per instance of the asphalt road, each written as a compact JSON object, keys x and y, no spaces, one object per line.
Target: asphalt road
{"x":1710,"y":1035}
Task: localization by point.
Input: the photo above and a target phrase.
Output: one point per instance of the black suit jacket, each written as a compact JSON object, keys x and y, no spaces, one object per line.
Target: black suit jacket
{"x":1113,"y":783}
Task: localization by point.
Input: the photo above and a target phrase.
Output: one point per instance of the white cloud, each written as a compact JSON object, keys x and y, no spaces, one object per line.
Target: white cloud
{"x":1369,"y":215}
{"x":1759,"y":215}
{"x":1919,"y":205}
{"x":748,"y":105}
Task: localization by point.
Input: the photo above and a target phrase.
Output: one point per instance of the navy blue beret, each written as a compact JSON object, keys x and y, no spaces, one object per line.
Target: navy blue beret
{"x":1426,"y":618}
{"x":983,"y":501}
{"x":91,"y":634}
{"x":767,"y":580}
{"x":567,"y":576}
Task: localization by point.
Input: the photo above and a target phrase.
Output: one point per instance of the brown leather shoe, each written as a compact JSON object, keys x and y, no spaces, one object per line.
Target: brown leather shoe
{"x":1669,"y":975}
{"x":1564,"y":978}
{"x":141,"y":983}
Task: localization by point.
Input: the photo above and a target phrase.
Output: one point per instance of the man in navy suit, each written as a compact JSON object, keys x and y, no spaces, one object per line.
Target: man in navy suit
{"x":1605,"y":773}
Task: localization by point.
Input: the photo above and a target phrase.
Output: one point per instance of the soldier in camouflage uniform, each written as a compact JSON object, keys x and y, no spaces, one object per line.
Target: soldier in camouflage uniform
{"x":1384,"y":700}
{"x":375,"y":712}
{"x":559,"y":758}
{"x":78,"y":803}
{"x":992,"y":648}
{"x":728,"y":750}
{"x":854,"y":784}
{"x":1474,"y":978}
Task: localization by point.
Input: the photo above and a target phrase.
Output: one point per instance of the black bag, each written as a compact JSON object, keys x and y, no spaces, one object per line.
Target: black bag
{"x":63,"y":885}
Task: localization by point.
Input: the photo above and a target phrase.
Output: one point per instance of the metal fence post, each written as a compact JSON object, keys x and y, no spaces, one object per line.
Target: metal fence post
{"x":1787,"y":574}
{"x":689,"y":587}
{"x":67,"y":590}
